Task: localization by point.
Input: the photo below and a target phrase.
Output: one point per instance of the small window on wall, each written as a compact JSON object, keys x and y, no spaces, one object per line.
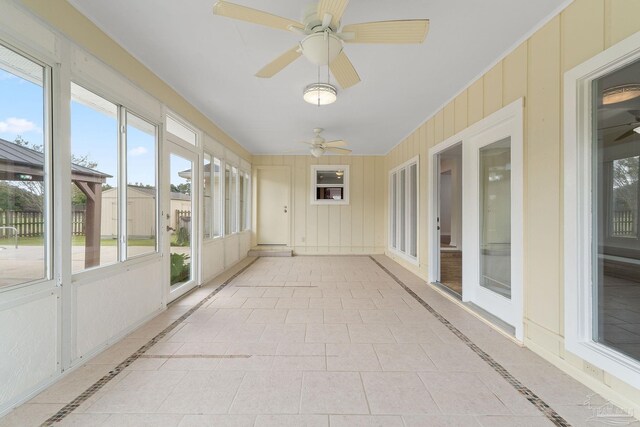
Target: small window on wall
{"x":25,"y":198}
{"x":403,"y":215}
{"x":329,"y":185}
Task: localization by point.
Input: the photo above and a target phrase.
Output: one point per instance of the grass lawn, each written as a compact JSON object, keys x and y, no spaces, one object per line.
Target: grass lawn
{"x":76,"y":241}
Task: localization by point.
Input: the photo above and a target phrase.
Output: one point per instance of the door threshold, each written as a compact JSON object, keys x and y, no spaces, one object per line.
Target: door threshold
{"x":496,"y":323}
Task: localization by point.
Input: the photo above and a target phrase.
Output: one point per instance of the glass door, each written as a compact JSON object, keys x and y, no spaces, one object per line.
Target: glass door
{"x":181,"y":219}
{"x":492,"y":223}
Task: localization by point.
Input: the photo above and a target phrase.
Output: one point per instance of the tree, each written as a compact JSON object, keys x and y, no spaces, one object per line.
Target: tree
{"x":625,"y":181}
{"x":184,"y":188}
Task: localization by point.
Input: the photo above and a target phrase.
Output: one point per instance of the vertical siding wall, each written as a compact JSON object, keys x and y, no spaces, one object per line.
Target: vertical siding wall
{"x":534,"y":70}
{"x":356,"y":228}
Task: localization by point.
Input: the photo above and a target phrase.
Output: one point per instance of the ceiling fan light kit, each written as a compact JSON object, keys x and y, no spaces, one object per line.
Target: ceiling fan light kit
{"x":320,"y":94}
{"x":621,"y":93}
{"x":323,"y":45}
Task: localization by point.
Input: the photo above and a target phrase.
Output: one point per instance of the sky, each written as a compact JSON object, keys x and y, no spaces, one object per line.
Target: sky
{"x":93,"y":133}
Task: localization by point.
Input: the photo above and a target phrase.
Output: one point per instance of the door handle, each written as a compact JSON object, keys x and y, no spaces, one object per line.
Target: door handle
{"x":285,"y":209}
{"x":170,"y":228}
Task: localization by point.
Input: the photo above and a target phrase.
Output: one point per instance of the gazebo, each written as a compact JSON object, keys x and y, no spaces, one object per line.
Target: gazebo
{"x":19,"y":163}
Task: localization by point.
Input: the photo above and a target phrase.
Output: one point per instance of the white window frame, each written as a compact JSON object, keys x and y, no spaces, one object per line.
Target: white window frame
{"x":50,"y":184}
{"x":393,"y":192}
{"x":578,"y":280}
{"x":345,"y":184}
{"x":180,"y":137}
{"x":244,"y":174}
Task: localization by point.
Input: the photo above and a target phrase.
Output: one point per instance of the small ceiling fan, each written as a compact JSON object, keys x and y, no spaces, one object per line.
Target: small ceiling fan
{"x":634,"y":130}
{"x":319,"y":145}
{"x":323,"y":36}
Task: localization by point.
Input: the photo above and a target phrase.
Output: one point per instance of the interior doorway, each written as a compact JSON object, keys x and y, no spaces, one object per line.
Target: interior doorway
{"x":449,"y":218}
{"x":273,"y":205}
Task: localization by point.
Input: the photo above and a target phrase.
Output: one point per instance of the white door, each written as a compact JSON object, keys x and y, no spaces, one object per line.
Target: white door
{"x":273,"y":210}
{"x":492,"y":221}
{"x":180,"y":219}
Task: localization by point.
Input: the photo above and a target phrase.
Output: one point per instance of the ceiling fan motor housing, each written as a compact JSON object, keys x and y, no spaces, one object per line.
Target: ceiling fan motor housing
{"x":321,"y":48}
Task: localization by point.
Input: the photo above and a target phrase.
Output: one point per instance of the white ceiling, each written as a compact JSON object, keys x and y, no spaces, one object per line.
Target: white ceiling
{"x":212,"y":60}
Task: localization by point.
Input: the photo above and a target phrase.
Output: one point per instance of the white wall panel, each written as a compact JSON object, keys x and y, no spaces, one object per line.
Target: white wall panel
{"x":231,"y":250}
{"x":28,"y":347}
{"x":111,"y":305}
{"x":212,"y":259}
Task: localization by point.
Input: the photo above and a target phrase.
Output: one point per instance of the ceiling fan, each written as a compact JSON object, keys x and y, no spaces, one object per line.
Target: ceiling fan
{"x":319,"y":145}
{"x":323,"y":36}
{"x":634,"y":130}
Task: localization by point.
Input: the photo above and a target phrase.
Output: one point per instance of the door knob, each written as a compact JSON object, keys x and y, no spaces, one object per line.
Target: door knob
{"x":170,"y":228}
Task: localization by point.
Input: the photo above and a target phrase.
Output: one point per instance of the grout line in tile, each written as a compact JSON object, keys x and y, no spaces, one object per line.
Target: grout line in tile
{"x":541,"y":405}
{"x":82,"y":397}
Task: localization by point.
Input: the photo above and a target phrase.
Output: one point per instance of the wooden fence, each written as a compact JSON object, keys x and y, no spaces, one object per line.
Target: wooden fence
{"x":31,"y":223}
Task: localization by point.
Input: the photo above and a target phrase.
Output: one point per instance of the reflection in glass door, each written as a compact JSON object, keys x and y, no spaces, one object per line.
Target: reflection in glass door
{"x":495,"y":217}
{"x":180,"y":220}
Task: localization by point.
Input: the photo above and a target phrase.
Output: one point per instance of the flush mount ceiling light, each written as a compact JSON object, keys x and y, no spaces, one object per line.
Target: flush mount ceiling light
{"x":620,"y":93}
{"x":320,"y":94}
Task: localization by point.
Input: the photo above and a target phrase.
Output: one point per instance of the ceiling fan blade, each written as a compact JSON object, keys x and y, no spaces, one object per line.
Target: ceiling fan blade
{"x":307,"y":142}
{"x":338,"y":150}
{"x":336,"y":143}
{"x":625,"y":135}
{"x":243,"y":13}
{"x":279,"y":63}
{"x":344,"y":72}
{"x":395,"y":32}
{"x":335,"y":8}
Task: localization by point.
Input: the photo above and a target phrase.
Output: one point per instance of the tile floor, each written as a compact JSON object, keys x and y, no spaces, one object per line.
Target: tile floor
{"x":314,"y":341}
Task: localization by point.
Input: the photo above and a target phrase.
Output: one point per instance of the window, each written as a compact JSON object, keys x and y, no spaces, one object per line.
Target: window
{"x":94,"y":180}
{"x":216,"y":189}
{"x":602,"y":246}
{"x":227,"y":200}
{"x":329,"y":184}
{"x":244,"y":201}
{"x":616,"y":254}
{"x":233,"y":200}
{"x":207,"y":196}
{"x":142,"y":193}
{"x":24,"y":170}
{"x":181,"y":130}
{"x":100,"y":165}
{"x":403,"y":218}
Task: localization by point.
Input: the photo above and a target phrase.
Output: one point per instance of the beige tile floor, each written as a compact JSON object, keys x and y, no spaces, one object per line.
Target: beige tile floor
{"x":316,"y":341}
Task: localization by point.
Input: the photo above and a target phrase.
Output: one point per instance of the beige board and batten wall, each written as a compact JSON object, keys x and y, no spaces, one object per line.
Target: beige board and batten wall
{"x":356,"y":228}
{"x":534,"y":70}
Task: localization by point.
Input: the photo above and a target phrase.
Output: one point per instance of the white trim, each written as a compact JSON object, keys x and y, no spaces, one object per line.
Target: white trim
{"x":174,"y":292}
{"x":254,"y":205}
{"x":578,"y":280}
{"x":408,"y":232}
{"x":511,"y":118}
{"x":508,"y":124}
{"x":344,"y":185}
